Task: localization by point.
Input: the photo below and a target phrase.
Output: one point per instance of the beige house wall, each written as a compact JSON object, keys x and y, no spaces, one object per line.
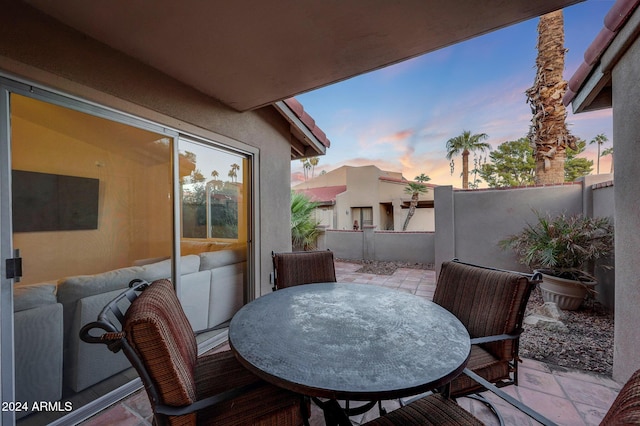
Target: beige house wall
{"x":366,"y":189}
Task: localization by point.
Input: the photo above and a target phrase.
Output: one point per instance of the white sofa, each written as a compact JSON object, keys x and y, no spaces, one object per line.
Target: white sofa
{"x":211,"y":287}
{"x":38,"y":343}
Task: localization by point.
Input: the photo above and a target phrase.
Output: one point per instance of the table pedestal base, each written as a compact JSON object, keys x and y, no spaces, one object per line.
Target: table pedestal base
{"x":335,"y":415}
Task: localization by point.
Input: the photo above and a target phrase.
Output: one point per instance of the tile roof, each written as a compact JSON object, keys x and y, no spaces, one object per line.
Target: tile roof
{"x":307,"y":120}
{"x":325,"y":195}
{"x":405,"y":181}
{"x":613,"y":21}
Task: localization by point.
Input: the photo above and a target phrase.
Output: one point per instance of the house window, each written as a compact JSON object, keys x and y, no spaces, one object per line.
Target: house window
{"x":364,"y":216}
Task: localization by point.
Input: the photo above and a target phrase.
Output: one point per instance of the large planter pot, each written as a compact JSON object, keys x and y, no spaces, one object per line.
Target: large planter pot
{"x":566,"y":294}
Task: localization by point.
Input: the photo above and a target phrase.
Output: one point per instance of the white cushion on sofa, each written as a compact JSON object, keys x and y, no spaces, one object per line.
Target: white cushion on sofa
{"x":227,"y":292}
{"x":33,"y":295}
{"x":38,"y":340}
{"x":86,"y":363}
{"x":71,"y":289}
{"x":216,"y":259}
{"x":194,"y":296}
{"x":155,"y":271}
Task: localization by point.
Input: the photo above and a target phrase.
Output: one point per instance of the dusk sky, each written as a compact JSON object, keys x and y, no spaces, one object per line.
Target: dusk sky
{"x":400,"y":117}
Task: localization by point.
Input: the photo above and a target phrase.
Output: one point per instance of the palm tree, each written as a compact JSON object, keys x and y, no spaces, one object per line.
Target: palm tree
{"x":415,"y":189}
{"x":599,"y":139}
{"x":306,"y":165}
{"x":313,"y":161}
{"x":548,"y":133}
{"x":304,"y":230}
{"x":464,"y":144}
{"x":233,"y":172}
{"x":422,"y":178}
{"x":609,"y":151}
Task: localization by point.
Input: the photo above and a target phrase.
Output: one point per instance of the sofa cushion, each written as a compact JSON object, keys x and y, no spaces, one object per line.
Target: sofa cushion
{"x":216,"y":259}
{"x":33,"y":295}
{"x":71,"y":289}
{"x":227,"y":292}
{"x":199,"y":246}
{"x":38,"y":340}
{"x":155,"y":271}
{"x":194,"y":295}
{"x":87,"y":364}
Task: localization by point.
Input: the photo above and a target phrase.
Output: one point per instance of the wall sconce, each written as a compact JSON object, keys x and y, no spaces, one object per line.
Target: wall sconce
{"x":346,"y":212}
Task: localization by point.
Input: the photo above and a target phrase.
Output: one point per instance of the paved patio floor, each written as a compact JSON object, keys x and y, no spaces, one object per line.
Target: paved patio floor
{"x":567,"y":397}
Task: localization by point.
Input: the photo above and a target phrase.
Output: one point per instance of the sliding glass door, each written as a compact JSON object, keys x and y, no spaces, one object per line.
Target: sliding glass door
{"x":98,"y":198}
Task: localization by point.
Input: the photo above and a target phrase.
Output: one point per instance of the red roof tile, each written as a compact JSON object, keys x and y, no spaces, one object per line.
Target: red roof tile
{"x":325,"y":194}
{"x":307,"y":120}
{"x":613,"y":21}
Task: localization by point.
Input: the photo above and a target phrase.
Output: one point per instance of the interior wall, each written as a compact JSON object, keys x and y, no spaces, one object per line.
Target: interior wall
{"x":133,"y":210}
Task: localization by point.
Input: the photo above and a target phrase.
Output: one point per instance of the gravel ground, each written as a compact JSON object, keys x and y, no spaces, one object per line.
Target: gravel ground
{"x":587,"y":345}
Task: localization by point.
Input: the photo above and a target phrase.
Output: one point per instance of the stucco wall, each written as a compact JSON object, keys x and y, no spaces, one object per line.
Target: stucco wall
{"x":603,"y":206}
{"x":469,"y":224}
{"x":35,"y":48}
{"x":415,"y":247}
{"x":626,"y":131}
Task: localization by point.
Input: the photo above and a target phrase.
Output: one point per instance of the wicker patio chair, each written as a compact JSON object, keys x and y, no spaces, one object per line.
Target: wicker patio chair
{"x":184,"y":388}
{"x":303,"y":267}
{"x":625,"y":409}
{"x":436,"y":409}
{"x":491,"y":304}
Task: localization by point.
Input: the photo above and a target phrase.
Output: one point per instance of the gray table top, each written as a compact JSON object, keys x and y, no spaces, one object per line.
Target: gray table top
{"x":349,"y":341}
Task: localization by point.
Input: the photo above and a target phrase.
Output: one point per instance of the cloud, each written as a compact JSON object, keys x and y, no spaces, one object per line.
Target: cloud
{"x":400,"y":136}
{"x":297,"y":177}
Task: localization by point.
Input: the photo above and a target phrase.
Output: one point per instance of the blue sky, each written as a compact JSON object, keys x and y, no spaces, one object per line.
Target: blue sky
{"x":400,"y":117}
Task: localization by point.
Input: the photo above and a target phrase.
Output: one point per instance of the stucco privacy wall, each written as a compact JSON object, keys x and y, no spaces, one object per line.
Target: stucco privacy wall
{"x":603,"y":206}
{"x":369,"y":244}
{"x":35,"y":48}
{"x":470,"y":224}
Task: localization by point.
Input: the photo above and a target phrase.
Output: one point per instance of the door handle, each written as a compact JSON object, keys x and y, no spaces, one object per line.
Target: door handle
{"x":14,"y":267}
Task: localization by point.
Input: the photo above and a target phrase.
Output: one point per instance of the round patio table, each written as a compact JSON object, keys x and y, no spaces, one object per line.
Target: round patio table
{"x":349,"y":341}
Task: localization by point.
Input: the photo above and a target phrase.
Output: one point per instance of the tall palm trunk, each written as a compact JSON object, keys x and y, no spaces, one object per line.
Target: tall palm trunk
{"x":548,"y":132}
{"x":412,"y":210}
{"x":465,"y":169}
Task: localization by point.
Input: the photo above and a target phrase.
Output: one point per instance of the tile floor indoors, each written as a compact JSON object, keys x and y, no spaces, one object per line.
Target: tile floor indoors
{"x":567,"y":397}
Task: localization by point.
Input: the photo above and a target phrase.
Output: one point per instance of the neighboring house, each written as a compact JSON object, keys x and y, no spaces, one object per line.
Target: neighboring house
{"x":368,"y":195}
{"x":610,"y":72}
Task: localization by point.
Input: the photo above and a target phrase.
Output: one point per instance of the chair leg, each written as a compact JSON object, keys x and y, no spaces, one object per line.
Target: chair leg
{"x":305,"y":402}
{"x":489,"y":405}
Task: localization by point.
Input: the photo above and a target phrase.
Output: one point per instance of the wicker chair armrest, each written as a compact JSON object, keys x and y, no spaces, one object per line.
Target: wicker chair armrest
{"x":508,"y":398}
{"x":110,"y":336}
{"x":206,"y":402}
{"x":495,"y":338}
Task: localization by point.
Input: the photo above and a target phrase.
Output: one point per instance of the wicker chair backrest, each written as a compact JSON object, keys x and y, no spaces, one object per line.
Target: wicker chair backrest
{"x":159,"y":331}
{"x":625,"y":409}
{"x":304,"y":267}
{"x":487,"y":301}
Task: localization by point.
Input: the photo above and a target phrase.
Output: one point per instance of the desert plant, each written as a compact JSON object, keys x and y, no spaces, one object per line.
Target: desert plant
{"x":563,"y":246}
{"x":303,"y":224}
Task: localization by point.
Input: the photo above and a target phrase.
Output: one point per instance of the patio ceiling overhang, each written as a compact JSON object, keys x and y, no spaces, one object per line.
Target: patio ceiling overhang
{"x":249,"y":54}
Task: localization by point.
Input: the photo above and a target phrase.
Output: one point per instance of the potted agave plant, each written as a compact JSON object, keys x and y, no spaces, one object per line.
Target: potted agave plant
{"x":564,"y":249}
